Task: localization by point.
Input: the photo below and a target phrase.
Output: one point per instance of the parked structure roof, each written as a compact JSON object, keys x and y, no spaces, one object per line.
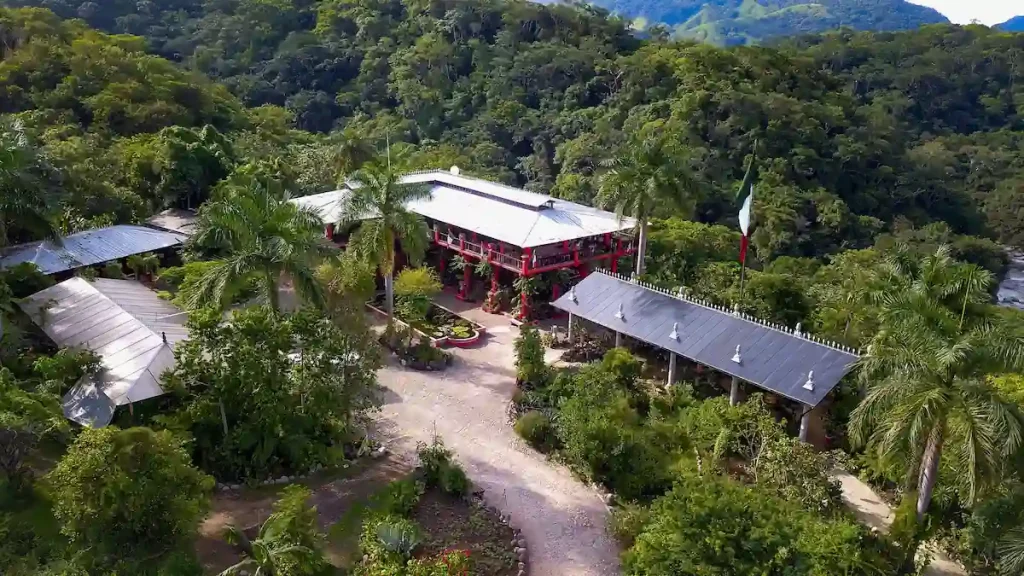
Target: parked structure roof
{"x":507,"y":214}
{"x":175,"y":220}
{"x":770,"y":356}
{"x":126,"y":324}
{"x":90,"y":247}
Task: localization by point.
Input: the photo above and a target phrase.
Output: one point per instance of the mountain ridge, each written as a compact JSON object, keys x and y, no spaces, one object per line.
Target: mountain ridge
{"x":1015,"y":24}
{"x":728,"y":22}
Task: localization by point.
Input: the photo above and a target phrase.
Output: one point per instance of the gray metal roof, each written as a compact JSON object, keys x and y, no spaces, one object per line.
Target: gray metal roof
{"x":771,"y":357}
{"x":90,"y":247}
{"x":507,"y":214}
{"x":131,"y":329}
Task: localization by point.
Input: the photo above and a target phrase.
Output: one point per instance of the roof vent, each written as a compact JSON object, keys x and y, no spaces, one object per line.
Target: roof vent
{"x":675,"y":331}
{"x":572,"y":295}
{"x":736,"y":357}
{"x":619,"y":314}
{"x":809,"y":385}
{"x":455,"y":170}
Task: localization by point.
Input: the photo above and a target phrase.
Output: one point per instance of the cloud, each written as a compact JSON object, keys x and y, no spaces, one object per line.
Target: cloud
{"x":985,"y":11}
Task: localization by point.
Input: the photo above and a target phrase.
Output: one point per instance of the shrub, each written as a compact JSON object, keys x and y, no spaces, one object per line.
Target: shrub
{"x":628,"y":521}
{"x":797,"y":472}
{"x":531,"y":369}
{"x":414,"y":288}
{"x":710,"y":524}
{"x":605,"y":438}
{"x":536,"y":428}
{"x":25,"y":279}
{"x":439,"y":470}
{"x":119,"y":492}
{"x":400,"y":497}
{"x":112,"y":270}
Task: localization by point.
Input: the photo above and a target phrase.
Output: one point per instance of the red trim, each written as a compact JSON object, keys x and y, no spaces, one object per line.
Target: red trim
{"x":744,"y":242}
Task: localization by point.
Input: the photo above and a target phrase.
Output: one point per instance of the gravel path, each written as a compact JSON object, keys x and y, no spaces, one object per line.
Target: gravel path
{"x":563,"y":520}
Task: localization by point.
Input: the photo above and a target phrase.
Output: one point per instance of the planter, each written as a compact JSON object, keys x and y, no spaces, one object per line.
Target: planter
{"x":410,"y":361}
{"x":435,"y":341}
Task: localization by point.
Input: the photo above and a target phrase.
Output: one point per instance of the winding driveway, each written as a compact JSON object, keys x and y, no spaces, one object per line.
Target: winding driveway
{"x":563,"y":520}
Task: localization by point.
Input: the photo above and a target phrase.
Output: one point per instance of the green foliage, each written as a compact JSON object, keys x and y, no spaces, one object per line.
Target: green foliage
{"x":388,"y":538}
{"x":143,"y":264}
{"x":25,"y":418}
{"x":289,"y":542}
{"x":536,"y":428}
{"x":531,"y":368}
{"x":415,"y":288}
{"x":440,"y":469}
{"x":28,"y":187}
{"x":796,"y":472}
{"x":112,"y":270}
{"x":124,"y":493}
{"x":719,"y":430}
{"x":400,"y":497}
{"x":25,"y":279}
{"x":712,"y":524}
{"x":256,"y":409}
{"x":606,"y":438}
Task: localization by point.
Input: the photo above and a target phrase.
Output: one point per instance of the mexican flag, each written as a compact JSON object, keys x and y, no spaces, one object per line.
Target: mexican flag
{"x":746,"y":197}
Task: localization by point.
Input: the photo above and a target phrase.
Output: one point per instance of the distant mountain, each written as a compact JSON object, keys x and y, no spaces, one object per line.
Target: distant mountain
{"x":747,"y":21}
{"x":1013,"y":25}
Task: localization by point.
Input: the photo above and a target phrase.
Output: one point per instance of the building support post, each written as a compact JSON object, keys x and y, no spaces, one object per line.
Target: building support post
{"x":805,"y":419}
{"x":734,"y":392}
{"x":618,"y":339}
{"x":672,"y":358}
{"x":467,"y":277}
{"x":569,"y":330}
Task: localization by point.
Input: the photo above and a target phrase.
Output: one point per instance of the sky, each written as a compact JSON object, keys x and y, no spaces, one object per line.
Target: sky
{"x":985,"y":11}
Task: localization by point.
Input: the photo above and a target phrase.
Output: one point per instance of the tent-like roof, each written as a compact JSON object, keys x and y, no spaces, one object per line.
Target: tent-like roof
{"x":507,"y":214}
{"x":175,"y":220}
{"x":794,"y":365}
{"x":126,"y":324}
{"x":90,"y":247}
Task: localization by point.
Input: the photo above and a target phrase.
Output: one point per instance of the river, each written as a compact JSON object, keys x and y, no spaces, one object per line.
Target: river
{"x":1011,"y":289}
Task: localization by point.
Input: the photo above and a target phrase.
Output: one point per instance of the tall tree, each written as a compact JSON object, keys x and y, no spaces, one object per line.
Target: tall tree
{"x":28,"y":190}
{"x":259,"y":236}
{"x":925,"y":373}
{"x":380,"y":200}
{"x":648,"y":171}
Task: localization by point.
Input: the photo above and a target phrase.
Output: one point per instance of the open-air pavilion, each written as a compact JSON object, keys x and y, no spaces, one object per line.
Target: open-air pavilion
{"x":786,"y":362}
{"x":520,"y":232}
{"x":123,"y":322}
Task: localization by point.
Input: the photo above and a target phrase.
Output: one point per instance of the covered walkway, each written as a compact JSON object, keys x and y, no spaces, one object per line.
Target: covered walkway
{"x":772,"y":357}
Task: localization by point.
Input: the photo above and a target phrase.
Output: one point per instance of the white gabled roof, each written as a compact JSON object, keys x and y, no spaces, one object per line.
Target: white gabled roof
{"x":507,"y":214}
{"x":131,"y":329}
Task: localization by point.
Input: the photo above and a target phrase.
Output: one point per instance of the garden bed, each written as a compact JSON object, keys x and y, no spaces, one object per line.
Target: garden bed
{"x":452,"y":523}
{"x":441,"y":327}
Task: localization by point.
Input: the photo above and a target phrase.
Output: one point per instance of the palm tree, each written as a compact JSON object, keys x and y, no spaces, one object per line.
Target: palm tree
{"x":271,"y":550}
{"x":27,"y":190}
{"x":259,"y":237}
{"x":650,"y":171}
{"x":925,"y":376}
{"x":379,"y":201}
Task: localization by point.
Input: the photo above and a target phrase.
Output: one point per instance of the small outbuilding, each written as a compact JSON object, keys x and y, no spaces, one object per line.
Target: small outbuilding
{"x":126,"y":324}
{"x":787,"y":362}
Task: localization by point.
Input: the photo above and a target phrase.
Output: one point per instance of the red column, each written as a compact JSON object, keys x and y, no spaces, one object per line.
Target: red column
{"x":524,"y":308}
{"x":494,"y":278}
{"x":615,"y":256}
{"x":556,"y":291}
{"x":437,"y":234}
{"x":527,"y":252}
{"x":441,"y":265}
{"x":329,"y":232}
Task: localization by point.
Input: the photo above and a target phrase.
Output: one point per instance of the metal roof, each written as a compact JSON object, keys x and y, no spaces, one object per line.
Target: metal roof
{"x":175,"y":220}
{"x":507,"y":214}
{"x":770,"y":356}
{"x":126,"y":324}
{"x":90,"y":247}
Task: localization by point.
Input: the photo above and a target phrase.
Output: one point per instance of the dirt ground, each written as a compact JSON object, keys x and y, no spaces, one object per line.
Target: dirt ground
{"x":333,"y":495}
